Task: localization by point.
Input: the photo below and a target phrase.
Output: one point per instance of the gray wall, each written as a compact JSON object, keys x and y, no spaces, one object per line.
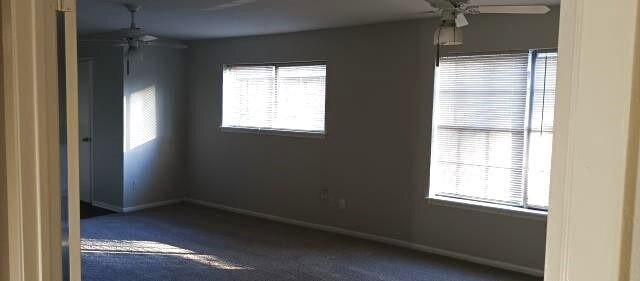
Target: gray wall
{"x":379,"y":99}
{"x":153,"y":171}
{"x":107,"y":122}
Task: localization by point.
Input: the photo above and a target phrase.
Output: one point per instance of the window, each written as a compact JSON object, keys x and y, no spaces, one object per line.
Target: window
{"x":282,"y":97}
{"x":492,"y":128}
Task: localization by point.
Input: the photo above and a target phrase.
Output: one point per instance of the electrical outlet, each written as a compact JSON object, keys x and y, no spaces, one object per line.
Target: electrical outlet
{"x":342,"y":203}
{"x":324,"y":194}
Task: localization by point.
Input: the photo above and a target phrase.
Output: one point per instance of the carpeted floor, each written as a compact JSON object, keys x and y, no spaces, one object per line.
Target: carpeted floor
{"x":191,"y":243}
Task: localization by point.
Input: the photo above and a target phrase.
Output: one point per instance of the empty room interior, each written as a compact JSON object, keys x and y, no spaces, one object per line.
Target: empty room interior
{"x":315,"y":140}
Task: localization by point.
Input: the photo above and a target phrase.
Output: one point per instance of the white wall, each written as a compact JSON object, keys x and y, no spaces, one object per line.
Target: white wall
{"x":379,"y":99}
{"x":153,"y":171}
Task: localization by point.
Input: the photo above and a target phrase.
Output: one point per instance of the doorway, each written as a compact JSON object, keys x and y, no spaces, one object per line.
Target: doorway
{"x":86,"y":131}
{"x":569,"y":245}
{"x":85,"y":111}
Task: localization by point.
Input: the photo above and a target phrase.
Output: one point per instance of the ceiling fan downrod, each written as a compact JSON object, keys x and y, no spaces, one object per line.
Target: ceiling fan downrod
{"x":132,"y":10}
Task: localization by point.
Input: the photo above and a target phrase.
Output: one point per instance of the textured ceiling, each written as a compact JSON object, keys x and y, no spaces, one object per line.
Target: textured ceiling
{"x":196,"y":19}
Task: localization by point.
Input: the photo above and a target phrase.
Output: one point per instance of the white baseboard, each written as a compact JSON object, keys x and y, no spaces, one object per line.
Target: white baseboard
{"x":377,"y":238}
{"x":107,"y":206}
{"x":151,"y":205}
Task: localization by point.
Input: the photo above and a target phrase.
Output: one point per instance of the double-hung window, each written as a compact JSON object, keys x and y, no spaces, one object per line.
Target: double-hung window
{"x":493,"y":128}
{"x":275,"y":97}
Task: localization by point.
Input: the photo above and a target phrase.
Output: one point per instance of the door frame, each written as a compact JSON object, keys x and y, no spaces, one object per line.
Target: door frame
{"x":635,"y":241}
{"x":31,"y":131}
{"x":589,"y":234}
{"x":90,"y":61}
{"x":595,"y":146}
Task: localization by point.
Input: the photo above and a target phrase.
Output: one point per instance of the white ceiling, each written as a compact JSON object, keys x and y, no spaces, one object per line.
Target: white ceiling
{"x":196,"y":19}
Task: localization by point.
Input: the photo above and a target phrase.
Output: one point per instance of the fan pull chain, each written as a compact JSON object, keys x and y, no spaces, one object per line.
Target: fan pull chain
{"x":438,"y":47}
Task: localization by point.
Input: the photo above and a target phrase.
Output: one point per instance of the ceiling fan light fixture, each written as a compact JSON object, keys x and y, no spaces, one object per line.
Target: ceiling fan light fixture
{"x":461,"y":20}
{"x":448,"y":35}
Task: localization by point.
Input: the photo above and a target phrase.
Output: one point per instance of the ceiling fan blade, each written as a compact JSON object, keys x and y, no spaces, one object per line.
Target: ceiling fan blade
{"x":532,"y":9}
{"x":117,"y":34}
{"x":100,"y":40}
{"x":425,"y":14}
{"x":441,"y":4}
{"x":147,"y":38}
{"x":231,"y":4}
{"x":166,"y":44}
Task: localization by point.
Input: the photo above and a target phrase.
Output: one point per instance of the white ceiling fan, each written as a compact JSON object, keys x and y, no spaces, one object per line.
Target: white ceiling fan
{"x":453,"y":16}
{"x":133,"y":39}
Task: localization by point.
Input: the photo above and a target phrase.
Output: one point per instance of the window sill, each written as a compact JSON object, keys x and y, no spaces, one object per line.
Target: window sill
{"x":488,"y":208}
{"x":271,"y":132}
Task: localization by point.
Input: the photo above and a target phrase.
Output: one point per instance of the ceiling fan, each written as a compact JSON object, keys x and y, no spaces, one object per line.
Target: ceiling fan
{"x":133,"y":39}
{"x":453,"y":16}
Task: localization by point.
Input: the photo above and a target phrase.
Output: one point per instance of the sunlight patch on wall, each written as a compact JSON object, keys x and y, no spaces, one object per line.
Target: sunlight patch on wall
{"x":140,"y":121}
{"x":133,"y":247}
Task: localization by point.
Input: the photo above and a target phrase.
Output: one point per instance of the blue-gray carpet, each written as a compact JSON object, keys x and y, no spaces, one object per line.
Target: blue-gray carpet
{"x":191,"y":243}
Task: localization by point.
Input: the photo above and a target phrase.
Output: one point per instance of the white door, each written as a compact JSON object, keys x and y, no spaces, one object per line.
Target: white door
{"x":85,"y":122}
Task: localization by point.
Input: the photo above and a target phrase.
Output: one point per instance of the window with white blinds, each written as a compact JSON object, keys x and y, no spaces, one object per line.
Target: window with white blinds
{"x":283,"y":97}
{"x":492,"y":128}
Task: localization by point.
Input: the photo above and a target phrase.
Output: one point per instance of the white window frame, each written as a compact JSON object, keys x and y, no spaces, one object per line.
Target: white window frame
{"x":525,"y":211}
{"x":273,"y":131}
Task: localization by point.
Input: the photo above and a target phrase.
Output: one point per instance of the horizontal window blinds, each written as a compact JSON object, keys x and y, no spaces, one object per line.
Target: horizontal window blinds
{"x":479,"y":133}
{"x":275,"y":97}
{"x":541,"y":129}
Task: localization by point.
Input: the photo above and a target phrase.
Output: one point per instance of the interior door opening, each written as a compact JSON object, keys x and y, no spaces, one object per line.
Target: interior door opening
{"x":85,"y":111}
